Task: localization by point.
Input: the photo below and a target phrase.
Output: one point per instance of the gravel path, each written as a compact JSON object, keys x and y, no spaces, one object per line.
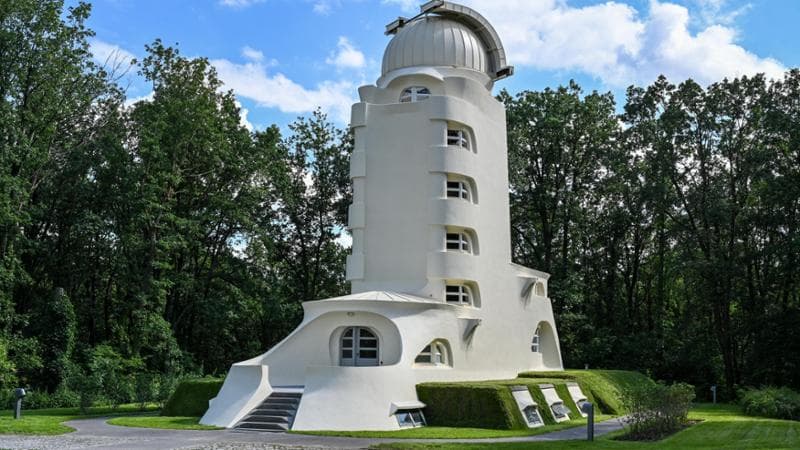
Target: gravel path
{"x":97,"y":434}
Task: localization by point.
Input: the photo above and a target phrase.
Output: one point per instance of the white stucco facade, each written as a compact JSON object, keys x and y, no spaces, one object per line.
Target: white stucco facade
{"x":430,"y":210}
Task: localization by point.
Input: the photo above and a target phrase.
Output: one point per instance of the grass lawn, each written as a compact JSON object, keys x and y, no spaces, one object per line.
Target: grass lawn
{"x":169,"y":423}
{"x":723,"y":427}
{"x":48,"y":421}
{"x":453,"y":432}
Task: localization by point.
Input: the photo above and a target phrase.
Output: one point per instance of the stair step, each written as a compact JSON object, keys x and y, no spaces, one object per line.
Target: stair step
{"x":266,"y":419}
{"x":272,"y":399}
{"x":272,"y":412}
{"x":263,"y":426}
{"x":275,"y":414}
{"x":296,"y":395}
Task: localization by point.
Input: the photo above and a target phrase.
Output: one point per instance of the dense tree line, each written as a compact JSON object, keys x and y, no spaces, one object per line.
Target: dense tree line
{"x":163,"y":237}
{"x":671,"y":230}
{"x":163,"y":234}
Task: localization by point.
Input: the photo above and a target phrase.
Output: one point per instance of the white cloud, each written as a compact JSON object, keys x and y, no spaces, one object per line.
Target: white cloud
{"x":110,"y":55}
{"x":717,"y":11}
{"x":243,"y":112}
{"x":144,"y":98}
{"x":617,"y":44}
{"x":252,"y":54}
{"x":346,"y":56}
{"x":252,"y":81}
{"x":345,"y":239}
{"x":239,"y":3}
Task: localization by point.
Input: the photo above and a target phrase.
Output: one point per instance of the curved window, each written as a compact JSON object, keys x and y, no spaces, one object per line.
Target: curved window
{"x":539,"y":289}
{"x":435,"y":353}
{"x":414,"y":94}
{"x":458,"y":138}
{"x":459,"y":189}
{"x":359,"y":347}
{"x":535,"y":341}
{"x":459,"y":241}
{"x":458,"y":294}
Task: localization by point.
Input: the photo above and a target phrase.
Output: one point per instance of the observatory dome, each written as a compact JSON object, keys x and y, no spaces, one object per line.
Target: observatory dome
{"x":436,"y":41}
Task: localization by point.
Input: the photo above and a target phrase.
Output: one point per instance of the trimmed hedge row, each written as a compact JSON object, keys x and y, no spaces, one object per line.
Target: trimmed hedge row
{"x":191,"y":397}
{"x":469,"y":405}
{"x":487,"y":404}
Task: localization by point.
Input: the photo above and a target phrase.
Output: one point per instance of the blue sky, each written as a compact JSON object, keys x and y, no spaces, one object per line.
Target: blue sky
{"x":283,"y":58}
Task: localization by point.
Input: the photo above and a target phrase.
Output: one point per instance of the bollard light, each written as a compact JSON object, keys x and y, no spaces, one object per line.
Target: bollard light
{"x":19,"y":393}
{"x":588,"y":408}
{"x":714,"y":393}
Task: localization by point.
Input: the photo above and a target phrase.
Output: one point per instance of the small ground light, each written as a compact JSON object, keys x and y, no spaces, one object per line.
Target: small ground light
{"x":588,"y":408}
{"x":19,"y":393}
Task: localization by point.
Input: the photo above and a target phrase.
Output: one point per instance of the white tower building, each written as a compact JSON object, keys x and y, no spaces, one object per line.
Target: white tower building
{"x":435,"y":296}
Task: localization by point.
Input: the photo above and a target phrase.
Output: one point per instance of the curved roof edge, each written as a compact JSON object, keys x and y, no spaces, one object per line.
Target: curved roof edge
{"x":497,"y":55}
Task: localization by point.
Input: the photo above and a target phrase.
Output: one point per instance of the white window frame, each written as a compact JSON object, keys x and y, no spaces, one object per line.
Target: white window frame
{"x":461,"y":239}
{"x":458,"y":137}
{"x":464,"y":294}
{"x":536,"y":345}
{"x":414,"y":423}
{"x":463,"y":191}
{"x":532,"y":416}
{"x":413,"y":94}
{"x":434,"y":354}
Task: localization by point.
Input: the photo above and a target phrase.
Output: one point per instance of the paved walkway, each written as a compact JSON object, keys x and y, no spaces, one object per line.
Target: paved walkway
{"x":97,"y":434}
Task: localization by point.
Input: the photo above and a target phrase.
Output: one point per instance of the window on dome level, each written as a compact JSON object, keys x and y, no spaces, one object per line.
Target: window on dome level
{"x":458,"y":294}
{"x":414,"y":94}
{"x":459,"y":241}
{"x":458,"y":138}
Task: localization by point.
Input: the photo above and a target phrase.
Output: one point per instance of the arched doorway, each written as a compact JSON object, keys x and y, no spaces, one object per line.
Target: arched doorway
{"x":544,"y":342}
{"x":359,"y":347}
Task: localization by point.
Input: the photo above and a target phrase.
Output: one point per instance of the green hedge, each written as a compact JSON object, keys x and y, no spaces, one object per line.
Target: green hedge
{"x":774,"y":402}
{"x":563,"y":391}
{"x":191,"y":397}
{"x":470,"y":405}
{"x":603,"y":388}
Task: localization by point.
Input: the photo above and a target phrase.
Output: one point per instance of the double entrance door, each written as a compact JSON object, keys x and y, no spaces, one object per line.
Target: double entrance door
{"x":359,"y":347}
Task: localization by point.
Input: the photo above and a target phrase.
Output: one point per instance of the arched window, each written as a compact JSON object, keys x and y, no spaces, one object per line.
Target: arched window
{"x":436,"y":353}
{"x":458,"y":294}
{"x":459,"y":189}
{"x":458,"y":242}
{"x":539,"y":289}
{"x":458,"y":137}
{"x":535,"y":341}
{"x":414,"y":94}
{"x":359,"y":347}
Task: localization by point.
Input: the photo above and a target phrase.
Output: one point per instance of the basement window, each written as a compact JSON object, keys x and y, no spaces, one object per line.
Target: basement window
{"x":532,"y":416}
{"x":410,"y":418}
{"x":560,"y":411}
{"x":414,"y":94}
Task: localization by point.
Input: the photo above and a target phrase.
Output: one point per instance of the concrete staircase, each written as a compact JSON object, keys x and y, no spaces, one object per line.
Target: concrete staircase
{"x":275,"y":414}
